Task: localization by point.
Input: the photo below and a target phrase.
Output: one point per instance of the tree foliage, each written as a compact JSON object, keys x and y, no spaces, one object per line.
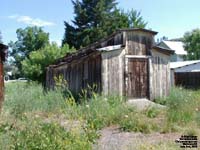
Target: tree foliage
{"x":95,"y":19}
{"x":192,"y":44}
{"x":34,"y":66}
{"x":135,"y":19}
{"x":28,"y":40}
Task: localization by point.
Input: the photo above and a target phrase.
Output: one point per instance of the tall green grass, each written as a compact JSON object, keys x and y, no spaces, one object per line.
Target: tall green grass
{"x":27,"y":97}
{"x":34,"y":134}
{"x":21,"y":129}
{"x":182,"y":105}
{"x":183,"y":110}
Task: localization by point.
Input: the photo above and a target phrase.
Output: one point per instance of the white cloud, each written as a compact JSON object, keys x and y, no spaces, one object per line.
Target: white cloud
{"x":13,"y":16}
{"x":31,"y":21}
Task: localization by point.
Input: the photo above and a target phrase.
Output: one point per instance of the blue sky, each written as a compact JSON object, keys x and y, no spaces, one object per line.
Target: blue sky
{"x":171,"y":18}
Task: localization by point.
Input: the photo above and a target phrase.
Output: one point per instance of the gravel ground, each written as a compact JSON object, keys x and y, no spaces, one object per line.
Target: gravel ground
{"x":113,"y":139}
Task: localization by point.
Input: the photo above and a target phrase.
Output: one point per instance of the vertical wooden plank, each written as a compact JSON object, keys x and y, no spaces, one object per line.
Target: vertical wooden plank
{"x":138,"y":80}
{"x":139,"y":43}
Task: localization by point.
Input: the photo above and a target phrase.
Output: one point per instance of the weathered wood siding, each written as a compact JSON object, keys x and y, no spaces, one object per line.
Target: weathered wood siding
{"x":137,"y":76}
{"x":49,"y":81}
{"x":116,"y":39}
{"x":134,"y":70}
{"x":79,"y":74}
{"x":113,"y":72}
{"x":172,"y":77}
{"x":138,"y":43}
{"x":159,"y":75}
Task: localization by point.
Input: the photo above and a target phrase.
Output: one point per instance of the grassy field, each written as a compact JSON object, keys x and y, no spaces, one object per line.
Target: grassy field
{"x":36,"y":119}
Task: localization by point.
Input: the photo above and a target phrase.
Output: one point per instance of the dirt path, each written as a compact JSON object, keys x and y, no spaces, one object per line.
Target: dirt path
{"x":113,"y":139}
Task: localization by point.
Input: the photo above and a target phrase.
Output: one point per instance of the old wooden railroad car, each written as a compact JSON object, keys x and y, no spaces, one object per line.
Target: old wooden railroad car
{"x":127,"y":63}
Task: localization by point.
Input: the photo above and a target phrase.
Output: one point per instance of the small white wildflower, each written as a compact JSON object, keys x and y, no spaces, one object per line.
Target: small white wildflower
{"x":105,"y":99}
{"x":7,"y":128}
{"x":197,"y":109}
{"x":87,"y":106}
{"x":126,"y":116}
{"x":36,"y":116}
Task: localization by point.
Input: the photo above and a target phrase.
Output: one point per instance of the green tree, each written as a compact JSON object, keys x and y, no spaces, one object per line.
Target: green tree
{"x":192,"y":44}
{"x":28,"y":40}
{"x":34,"y":66}
{"x":129,"y":19}
{"x":95,"y":19}
{"x":136,"y":20}
{"x":90,"y":17}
